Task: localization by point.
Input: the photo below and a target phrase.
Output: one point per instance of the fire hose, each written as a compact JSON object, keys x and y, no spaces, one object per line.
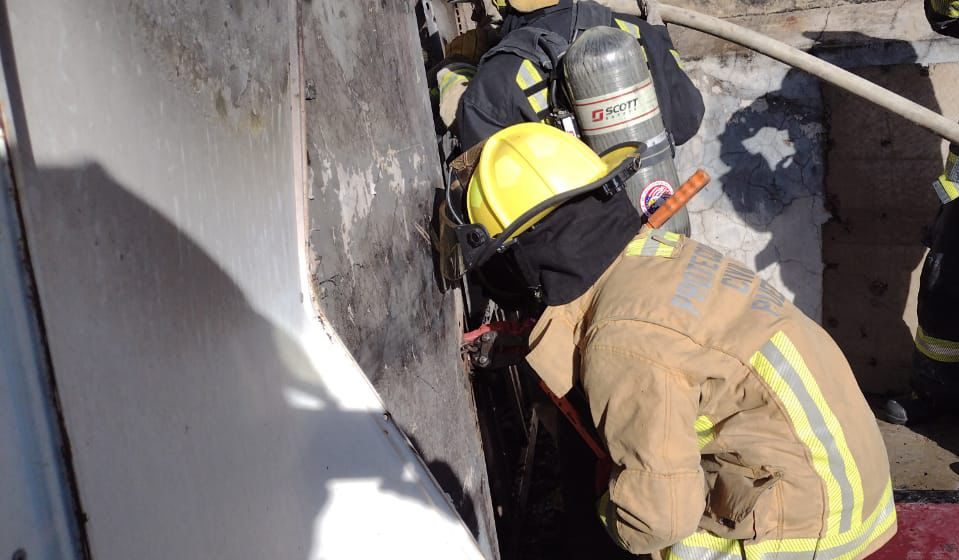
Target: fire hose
{"x":831,"y":73}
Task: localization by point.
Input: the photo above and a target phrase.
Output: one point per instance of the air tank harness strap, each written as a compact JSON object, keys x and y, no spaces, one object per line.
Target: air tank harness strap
{"x":587,"y":15}
{"x":541,"y":50}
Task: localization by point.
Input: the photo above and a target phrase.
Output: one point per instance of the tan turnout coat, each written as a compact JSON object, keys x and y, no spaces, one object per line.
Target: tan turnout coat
{"x":734,"y":421}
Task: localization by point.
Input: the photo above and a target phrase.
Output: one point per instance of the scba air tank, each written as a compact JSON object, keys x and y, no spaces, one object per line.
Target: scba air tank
{"x":614,"y":99}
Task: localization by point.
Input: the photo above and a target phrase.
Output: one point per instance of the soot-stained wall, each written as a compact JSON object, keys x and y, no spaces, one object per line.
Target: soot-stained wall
{"x":373,"y":169}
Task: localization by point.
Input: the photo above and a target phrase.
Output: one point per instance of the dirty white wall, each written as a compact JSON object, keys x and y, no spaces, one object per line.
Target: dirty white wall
{"x":211,"y":413}
{"x":766,"y":135}
{"x":762,"y":141}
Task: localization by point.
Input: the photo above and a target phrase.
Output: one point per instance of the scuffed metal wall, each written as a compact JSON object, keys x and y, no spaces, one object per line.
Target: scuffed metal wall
{"x":209,"y":413}
{"x":374,"y":170}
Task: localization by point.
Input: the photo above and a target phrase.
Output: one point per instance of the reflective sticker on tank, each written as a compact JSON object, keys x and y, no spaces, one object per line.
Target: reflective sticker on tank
{"x":654,"y":195}
{"x":617,"y":110}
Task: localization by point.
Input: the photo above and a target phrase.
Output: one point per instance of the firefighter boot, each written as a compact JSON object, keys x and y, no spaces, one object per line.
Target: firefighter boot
{"x":935,"y":388}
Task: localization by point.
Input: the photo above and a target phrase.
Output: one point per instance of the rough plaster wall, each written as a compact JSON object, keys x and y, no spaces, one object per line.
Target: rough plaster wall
{"x":374,"y":168}
{"x":879,"y":181}
{"x":762,"y":141}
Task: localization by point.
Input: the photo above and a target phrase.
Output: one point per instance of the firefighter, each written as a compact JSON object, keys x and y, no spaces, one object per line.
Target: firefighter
{"x":511,"y":85}
{"x":734,"y":422}
{"x":943,"y":16}
{"x":935,"y":361}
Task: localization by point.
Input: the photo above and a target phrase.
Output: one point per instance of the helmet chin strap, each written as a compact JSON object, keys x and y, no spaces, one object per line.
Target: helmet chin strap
{"x":478,"y":247}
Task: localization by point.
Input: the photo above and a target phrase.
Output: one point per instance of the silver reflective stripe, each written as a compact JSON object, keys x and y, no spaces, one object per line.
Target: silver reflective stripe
{"x":841,"y":550}
{"x":527,"y":76}
{"x":651,"y":248}
{"x":941,"y":192}
{"x":687,"y":552}
{"x":539,"y":101}
{"x":656,"y":140}
{"x":836,"y":464}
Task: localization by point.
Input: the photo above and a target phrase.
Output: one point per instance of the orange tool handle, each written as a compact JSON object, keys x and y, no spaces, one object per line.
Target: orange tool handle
{"x":672,"y":205}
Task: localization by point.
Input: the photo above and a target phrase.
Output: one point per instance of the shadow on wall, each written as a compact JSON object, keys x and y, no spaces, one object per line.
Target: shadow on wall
{"x":773,"y":152}
{"x":877,"y":192}
{"x":199,"y":427}
{"x":215,"y":412}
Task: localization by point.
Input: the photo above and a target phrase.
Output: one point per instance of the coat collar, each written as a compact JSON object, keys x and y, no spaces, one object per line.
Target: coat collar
{"x":556,"y":340}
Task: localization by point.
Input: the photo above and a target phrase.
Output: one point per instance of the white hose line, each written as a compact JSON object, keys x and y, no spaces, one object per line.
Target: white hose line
{"x":782,"y":52}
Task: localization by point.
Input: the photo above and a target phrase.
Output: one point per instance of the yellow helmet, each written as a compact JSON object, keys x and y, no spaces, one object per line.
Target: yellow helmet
{"x":515,"y":179}
{"x":528,"y":166}
{"x":525,"y":5}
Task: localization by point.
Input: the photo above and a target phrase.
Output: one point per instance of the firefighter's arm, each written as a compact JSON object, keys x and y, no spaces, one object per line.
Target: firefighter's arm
{"x":452,"y":79}
{"x":492,"y":101}
{"x":462,"y":57}
{"x":943,"y":16}
{"x":646,"y":414}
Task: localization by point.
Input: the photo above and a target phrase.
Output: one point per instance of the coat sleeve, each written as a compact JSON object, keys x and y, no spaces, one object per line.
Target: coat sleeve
{"x":492,"y":101}
{"x":943,"y":16}
{"x":646,"y":414}
{"x":680,"y":102}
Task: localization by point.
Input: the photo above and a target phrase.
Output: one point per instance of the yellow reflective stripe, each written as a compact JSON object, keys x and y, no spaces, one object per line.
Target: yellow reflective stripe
{"x":846,"y":546}
{"x":784,"y":371}
{"x":636,"y":246}
{"x":527,"y":76}
{"x":658,"y":243}
{"x":539,"y":101}
{"x":679,"y":59}
{"x":606,"y":510}
{"x":628,"y":27}
{"x":705,"y":433}
{"x":947,"y":8}
{"x":704,"y":546}
{"x":947,"y":185}
{"x":633,"y":30}
{"x":938,"y":349}
{"x":448,"y":78}
{"x":946,"y":190}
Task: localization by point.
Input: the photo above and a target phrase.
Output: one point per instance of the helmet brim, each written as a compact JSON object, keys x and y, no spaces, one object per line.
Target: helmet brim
{"x":477,"y":246}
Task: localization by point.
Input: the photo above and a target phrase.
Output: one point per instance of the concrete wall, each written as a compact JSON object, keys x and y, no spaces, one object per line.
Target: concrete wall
{"x":161,"y":169}
{"x":762,"y":141}
{"x":766,"y":135}
{"x":879,"y":183}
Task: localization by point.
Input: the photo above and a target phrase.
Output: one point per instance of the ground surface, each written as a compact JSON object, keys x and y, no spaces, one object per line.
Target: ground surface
{"x":924,"y":459}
